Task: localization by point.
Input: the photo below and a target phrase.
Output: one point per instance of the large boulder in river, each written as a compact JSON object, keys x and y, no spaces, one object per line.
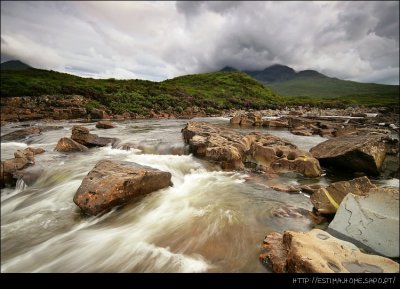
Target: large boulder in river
{"x":247,"y":119}
{"x":318,"y":252}
{"x":66,"y":144}
{"x":359,"y":153}
{"x":327,"y":200}
{"x":99,"y":114}
{"x":370,"y":221}
{"x":82,"y":135}
{"x":231,"y":149}
{"x":112,"y":183}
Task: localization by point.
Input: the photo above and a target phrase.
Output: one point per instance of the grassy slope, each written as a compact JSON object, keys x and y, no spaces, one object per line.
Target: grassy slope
{"x":211,"y":91}
{"x":307,"y":88}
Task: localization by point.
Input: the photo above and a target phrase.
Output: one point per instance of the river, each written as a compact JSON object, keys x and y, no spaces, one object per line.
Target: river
{"x":208,"y":221}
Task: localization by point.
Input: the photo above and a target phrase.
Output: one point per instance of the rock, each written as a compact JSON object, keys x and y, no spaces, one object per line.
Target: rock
{"x":284,"y":188}
{"x":66,"y":144}
{"x":112,"y":183}
{"x":361,"y":153}
{"x":21,"y":134}
{"x":231,"y":148}
{"x":104,"y":124}
{"x":318,"y":252}
{"x":303,"y":131}
{"x":327,"y":200}
{"x":21,"y":160}
{"x":371,"y":220}
{"x":247,"y":119}
{"x":99,"y":114}
{"x":81,"y":135}
{"x":275,"y":123}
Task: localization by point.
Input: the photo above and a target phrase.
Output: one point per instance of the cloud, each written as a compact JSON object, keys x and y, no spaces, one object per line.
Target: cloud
{"x":157,"y":40}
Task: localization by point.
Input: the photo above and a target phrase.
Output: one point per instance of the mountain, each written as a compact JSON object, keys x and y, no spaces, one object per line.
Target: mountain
{"x":310,"y":83}
{"x":14,"y":65}
{"x":228,"y":69}
{"x":273,"y":73}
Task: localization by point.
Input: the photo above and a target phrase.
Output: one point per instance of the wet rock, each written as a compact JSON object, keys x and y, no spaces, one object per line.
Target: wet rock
{"x":231,"y":149}
{"x":319,"y":252}
{"x":361,"y":153}
{"x":284,"y":188}
{"x":99,"y":114}
{"x":21,"y":134}
{"x":371,"y":220}
{"x":327,"y":200}
{"x":303,"y":131}
{"x":112,"y":183}
{"x":82,"y":135}
{"x":66,"y":144}
{"x":104,"y":124}
{"x":247,"y":119}
{"x":21,"y":160}
{"x":275,"y":123}
{"x":289,"y":212}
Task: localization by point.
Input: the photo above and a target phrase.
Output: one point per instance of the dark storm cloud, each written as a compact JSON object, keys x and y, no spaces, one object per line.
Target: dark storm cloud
{"x":154,"y":40}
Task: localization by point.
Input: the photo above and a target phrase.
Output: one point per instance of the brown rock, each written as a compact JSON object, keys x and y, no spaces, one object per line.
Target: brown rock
{"x":319,"y":252}
{"x":112,"y":183}
{"x":284,"y":188}
{"x":327,"y":200}
{"x":231,"y":148}
{"x":104,"y":124}
{"x":361,"y":153}
{"x":99,"y":114}
{"x":81,"y":135}
{"x":21,"y":134}
{"x":275,"y":123}
{"x":66,"y":144}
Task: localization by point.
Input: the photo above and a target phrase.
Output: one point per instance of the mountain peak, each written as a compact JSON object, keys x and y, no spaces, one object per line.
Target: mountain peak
{"x":14,"y":65}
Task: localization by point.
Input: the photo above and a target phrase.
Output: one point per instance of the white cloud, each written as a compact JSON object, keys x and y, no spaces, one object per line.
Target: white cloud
{"x":159,"y":40}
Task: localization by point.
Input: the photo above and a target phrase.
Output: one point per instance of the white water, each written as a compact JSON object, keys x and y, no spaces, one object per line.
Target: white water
{"x":208,"y":221}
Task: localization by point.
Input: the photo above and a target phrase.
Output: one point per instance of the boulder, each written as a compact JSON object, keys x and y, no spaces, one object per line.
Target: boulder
{"x":112,"y":183}
{"x":66,"y":144}
{"x":231,"y":149}
{"x":284,"y":188}
{"x":99,"y":114}
{"x":82,"y":135}
{"x":327,"y":200}
{"x":104,"y":124}
{"x":370,"y":221}
{"x":21,"y":160}
{"x":360,"y":153}
{"x":318,"y":252}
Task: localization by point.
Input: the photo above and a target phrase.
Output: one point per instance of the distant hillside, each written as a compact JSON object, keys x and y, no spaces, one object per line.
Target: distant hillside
{"x":14,"y":65}
{"x":210,"y":91}
{"x":310,"y":83}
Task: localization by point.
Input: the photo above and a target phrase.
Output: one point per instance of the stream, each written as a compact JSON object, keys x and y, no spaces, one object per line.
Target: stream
{"x":208,"y":221}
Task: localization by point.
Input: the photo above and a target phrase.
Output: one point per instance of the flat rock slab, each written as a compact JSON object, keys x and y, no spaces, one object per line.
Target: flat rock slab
{"x":28,"y":132}
{"x":318,"y":252}
{"x":372,"y":220}
{"x":327,"y":200}
{"x":358,"y":153}
{"x":113,"y":183}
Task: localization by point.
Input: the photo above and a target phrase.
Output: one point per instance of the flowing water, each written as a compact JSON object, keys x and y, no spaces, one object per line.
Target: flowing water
{"x":208,"y":221}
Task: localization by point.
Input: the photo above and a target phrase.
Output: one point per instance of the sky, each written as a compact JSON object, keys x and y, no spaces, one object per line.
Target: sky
{"x":354,"y":40}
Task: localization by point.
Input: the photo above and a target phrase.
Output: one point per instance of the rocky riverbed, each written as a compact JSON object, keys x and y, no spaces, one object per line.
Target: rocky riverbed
{"x":173,"y":195}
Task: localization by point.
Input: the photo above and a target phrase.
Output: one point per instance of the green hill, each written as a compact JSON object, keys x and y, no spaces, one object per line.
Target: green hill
{"x":210,"y":91}
{"x":312,"y":87}
{"x":14,"y":65}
